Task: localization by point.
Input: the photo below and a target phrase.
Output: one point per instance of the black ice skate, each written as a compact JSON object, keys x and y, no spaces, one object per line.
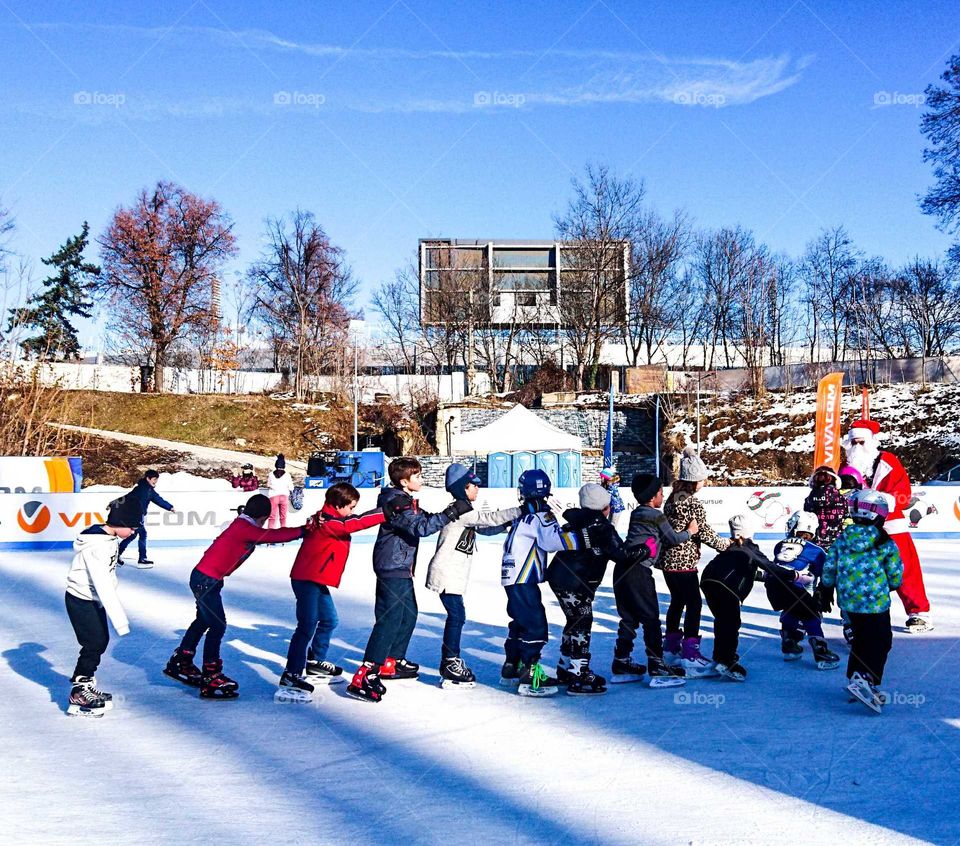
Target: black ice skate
{"x":734,"y":670}
{"x":586,"y":682}
{"x":826,"y":660}
{"x":84,"y":700}
{"x":535,"y":682}
{"x":790,"y":646}
{"x":624,"y":670}
{"x":366,"y":685}
{"x":404,"y":670}
{"x":181,"y":667}
{"x":510,"y":674}
{"x":662,"y":674}
{"x":106,"y":697}
{"x":324,"y":672}
{"x":565,"y":674}
{"x":454,"y":674}
{"x":215,"y":685}
{"x":919,"y":623}
{"x":293,"y":688}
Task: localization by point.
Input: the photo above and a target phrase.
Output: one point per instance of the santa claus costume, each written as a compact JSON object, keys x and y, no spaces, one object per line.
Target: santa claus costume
{"x":884,"y":473}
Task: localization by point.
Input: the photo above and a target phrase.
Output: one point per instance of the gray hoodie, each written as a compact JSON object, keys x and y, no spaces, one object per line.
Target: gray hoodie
{"x":93,"y":575}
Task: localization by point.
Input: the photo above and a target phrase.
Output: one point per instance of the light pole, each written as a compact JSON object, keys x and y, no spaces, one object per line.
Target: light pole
{"x":356,"y":327}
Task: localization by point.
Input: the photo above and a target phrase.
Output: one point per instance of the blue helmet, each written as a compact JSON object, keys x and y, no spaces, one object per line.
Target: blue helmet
{"x":533,"y":484}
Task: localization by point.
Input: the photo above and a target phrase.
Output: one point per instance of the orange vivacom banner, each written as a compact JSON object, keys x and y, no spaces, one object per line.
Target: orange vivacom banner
{"x":827,"y":441}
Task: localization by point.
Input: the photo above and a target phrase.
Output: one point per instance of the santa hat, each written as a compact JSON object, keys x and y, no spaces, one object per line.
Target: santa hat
{"x":863,"y":429}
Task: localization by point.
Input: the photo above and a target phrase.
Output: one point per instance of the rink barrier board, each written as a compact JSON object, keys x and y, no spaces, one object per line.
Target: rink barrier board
{"x":53,"y":520}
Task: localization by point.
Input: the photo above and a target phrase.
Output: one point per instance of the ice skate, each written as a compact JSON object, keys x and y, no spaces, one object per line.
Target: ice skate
{"x":366,"y":685}
{"x":695,"y":666}
{"x":402,"y":670}
{"x":673,"y":649}
{"x":825,"y":658}
{"x":324,"y":672}
{"x":455,"y":675}
{"x":215,"y":685}
{"x":734,"y":670}
{"x":144,"y":564}
{"x":535,"y":682}
{"x":293,"y":688}
{"x":586,"y":681}
{"x":510,"y":674}
{"x":565,"y":674}
{"x":790,"y":646}
{"x":106,"y":697}
{"x":84,"y":701}
{"x":181,"y":667}
{"x":862,"y":690}
{"x":660,"y":675}
{"x":625,"y":670}
{"x":918,"y":624}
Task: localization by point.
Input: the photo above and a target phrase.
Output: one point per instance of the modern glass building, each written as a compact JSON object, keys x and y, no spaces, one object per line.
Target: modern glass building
{"x":536,"y":284}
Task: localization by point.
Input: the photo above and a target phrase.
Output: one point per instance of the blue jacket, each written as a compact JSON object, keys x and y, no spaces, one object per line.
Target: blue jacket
{"x":395,"y":550}
{"x":144,"y":493}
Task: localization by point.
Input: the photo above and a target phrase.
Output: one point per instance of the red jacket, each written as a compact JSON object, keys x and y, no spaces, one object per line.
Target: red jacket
{"x":250,"y":483}
{"x":322,"y":556}
{"x":235,"y":543}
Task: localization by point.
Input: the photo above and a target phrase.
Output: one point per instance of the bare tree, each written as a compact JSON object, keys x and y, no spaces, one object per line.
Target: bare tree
{"x":827,"y":270}
{"x":397,"y":302}
{"x":162,"y":259}
{"x":305,"y":292}
{"x":597,"y":227}
{"x":657,"y":285}
{"x":930,"y":298}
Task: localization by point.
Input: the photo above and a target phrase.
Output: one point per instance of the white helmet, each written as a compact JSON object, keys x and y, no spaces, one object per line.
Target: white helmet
{"x":868,"y":505}
{"x":803,"y":521}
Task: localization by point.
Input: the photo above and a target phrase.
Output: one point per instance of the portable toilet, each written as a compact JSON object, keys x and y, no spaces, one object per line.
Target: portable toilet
{"x":549,"y":462}
{"x":370,"y":469}
{"x":521,"y":461}
{"x":499,"y":469}
{"x":569,"y":473}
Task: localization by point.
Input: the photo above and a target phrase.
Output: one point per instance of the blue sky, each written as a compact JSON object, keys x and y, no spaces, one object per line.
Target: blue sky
{"x":393,"y":121}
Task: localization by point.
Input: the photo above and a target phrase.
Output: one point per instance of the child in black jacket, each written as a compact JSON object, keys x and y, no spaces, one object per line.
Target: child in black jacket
{"x":726,"y":583}
{"x":574,"y":577}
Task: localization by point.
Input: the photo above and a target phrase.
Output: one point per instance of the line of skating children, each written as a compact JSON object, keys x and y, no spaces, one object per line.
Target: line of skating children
{"x":584,"y":544}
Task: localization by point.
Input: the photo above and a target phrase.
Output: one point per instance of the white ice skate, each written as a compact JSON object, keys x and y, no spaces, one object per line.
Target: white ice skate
{"x":861,"y":690}
{"x":699,"y":668}
{"x":919,"y":623}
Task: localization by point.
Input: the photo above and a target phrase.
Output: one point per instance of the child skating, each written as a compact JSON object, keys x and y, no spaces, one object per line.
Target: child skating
{"x":449,"y":570}
{"x":635,"y":591}
{"x":91,"y":599}
{"x":828,"y":503}
{"x":319,"y":566}
{"x":394,"y":562}
{"x":531,"y":537}
{"x":231,"y":548}
{"x":726,"y":583}
{"x":682,"y":645}
{"x":792,"y":588}
{"x":864,"y":565}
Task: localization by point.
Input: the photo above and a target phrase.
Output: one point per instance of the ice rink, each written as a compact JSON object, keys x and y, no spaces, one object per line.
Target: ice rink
{"x":780,"y":759}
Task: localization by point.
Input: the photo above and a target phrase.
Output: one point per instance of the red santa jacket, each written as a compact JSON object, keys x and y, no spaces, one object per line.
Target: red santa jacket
{"x":891,"y":479}
{"x":235,"y":544}
{"x":323,"y":555}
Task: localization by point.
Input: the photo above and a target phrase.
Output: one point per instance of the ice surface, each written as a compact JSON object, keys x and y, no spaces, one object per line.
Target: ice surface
{"x":782,"y":758}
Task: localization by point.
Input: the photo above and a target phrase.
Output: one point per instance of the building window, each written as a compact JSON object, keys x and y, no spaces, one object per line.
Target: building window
{"x":532,"y":259}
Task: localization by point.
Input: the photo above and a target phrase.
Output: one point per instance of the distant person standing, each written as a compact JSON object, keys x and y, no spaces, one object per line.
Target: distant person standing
{"x":610,"y":480}
{"x":144,"y":493}
{"x":279,"y":485}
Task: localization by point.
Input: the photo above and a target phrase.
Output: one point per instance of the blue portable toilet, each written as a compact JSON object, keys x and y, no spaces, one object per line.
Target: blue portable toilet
{"x":549,"y":462}
{"x":521,"y":461}
{"x":569,"y":474}
{"x":371,"y":469}
{"x":499,"y":470}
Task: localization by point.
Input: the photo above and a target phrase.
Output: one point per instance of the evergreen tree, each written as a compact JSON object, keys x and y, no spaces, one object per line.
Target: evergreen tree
{"x":65,"y":294}
{"x":941,"y":126}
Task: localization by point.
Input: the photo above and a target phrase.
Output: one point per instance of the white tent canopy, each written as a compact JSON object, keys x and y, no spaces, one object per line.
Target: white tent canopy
{"x":518,"y":429}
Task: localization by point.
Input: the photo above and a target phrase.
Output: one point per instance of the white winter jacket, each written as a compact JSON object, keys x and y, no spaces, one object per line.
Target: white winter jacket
{"x":449,"y":569}
{"x":281,"y":486}
{"x":93,"y":575}
{"x":525,"y":550}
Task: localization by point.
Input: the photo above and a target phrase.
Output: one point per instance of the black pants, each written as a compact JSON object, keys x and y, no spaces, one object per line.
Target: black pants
{"x":637,"y":605}
{"x":396,"y":611}
{"x":527,"y":632}
{"x":577,"y":607}
{"x":89,"y":622}
{"x":725,"y":607}
{"x":872,"y":639}
{"x":210,"y":618}
{"x":685,"y":600}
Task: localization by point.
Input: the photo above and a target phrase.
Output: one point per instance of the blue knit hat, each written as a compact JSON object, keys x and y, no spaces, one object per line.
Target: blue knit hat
{"x":457,"y":478}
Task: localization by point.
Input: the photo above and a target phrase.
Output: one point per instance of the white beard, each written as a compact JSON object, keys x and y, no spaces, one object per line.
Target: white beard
{"x":863,"y":457}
